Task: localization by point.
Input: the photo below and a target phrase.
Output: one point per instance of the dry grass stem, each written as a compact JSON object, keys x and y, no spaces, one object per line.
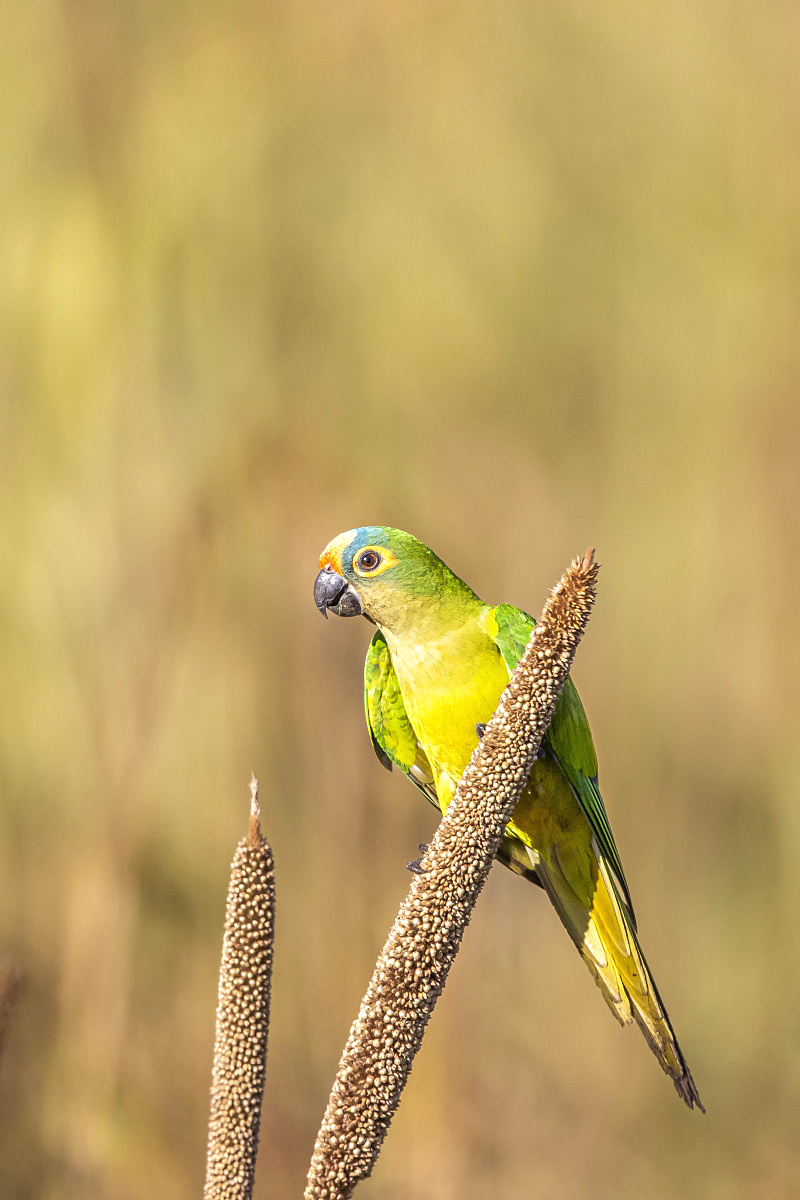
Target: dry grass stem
{"x":240,"y":1048}
{"x":10,"y":989}
{"x":413,"y":966}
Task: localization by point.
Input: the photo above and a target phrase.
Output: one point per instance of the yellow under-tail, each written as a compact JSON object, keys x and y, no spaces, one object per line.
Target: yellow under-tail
{"x":434,"y":673}
{"x":553,"y":835}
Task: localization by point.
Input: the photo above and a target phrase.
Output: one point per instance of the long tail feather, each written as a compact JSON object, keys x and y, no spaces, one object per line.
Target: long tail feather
{"x":608,"y":944}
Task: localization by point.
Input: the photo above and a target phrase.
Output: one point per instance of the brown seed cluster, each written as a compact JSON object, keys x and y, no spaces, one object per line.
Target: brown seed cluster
{"x":413,"y":966}
{"x":240,"y":1048}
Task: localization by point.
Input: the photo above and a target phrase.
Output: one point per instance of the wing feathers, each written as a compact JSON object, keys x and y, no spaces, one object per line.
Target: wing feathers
{"x":569,"y":738}
{"x":392,"y":734}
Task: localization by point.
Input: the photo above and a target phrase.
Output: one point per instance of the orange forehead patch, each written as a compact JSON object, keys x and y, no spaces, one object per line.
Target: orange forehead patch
{"x":332,"y":554}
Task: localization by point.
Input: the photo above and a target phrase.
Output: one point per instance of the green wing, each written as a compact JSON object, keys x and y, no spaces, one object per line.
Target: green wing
{"x":392,"y":734}
{"x":568,"y":738}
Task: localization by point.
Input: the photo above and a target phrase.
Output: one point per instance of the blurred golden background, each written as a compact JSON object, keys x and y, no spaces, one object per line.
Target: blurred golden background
{"x":518,"y":278}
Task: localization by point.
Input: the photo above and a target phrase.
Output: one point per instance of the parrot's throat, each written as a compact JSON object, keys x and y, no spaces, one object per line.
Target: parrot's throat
{"x":423,"y":618}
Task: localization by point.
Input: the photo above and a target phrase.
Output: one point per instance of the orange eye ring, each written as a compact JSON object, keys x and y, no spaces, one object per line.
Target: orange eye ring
{"x":373,"y":560}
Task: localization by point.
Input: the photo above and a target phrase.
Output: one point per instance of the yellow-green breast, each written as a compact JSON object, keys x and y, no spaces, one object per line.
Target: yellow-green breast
{"x":450,"y":684}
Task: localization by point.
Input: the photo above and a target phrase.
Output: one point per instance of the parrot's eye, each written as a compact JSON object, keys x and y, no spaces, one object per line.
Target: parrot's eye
{"x":368,"y":560}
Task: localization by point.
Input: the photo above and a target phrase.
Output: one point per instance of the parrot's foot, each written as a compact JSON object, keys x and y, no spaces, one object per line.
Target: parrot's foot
{"x":415,"y":866}
{"x":541,"y":752}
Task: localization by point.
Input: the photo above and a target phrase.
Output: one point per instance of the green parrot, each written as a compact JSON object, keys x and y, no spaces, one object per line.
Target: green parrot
{"x":435,"y":670}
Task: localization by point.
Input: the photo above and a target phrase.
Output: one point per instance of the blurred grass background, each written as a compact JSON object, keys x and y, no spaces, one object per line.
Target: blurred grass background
{"x":518,"y":278}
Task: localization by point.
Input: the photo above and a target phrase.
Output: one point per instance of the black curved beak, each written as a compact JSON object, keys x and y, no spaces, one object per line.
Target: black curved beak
{"x":334,"y":594}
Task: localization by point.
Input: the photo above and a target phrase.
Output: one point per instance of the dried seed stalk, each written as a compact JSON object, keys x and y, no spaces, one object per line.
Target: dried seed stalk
{"x":240,"y":1048}
{"x":413,"y":966}
{"x":10,"y":990}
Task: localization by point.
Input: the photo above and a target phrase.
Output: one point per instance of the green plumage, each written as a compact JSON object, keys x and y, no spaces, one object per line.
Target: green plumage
{"x":434,"y":673}
{"x":568,"y":738}
{"x":393,"y":737}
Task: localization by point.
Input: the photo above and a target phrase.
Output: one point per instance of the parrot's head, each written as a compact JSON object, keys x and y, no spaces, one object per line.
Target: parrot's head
{"x":384,"y":574}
